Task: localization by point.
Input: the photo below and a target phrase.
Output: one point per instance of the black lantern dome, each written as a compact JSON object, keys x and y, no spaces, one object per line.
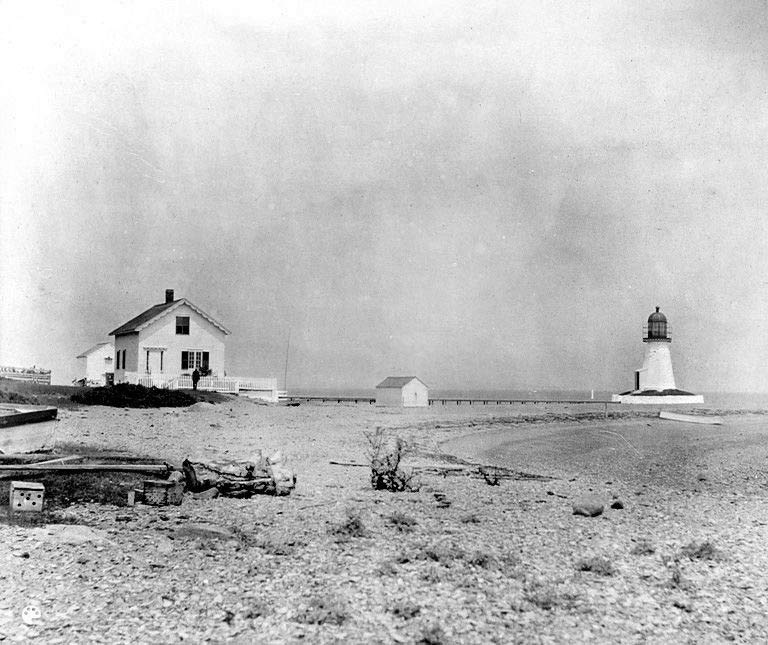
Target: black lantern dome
{"x":657,"y":326}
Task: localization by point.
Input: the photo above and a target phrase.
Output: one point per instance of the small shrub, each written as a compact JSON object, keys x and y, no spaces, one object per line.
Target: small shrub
{"x":482,"y":560}
{"x":700,"y":551}
{"x":16,"y":397}
{"x":244,"y":537}
{"x":548,"y":597}
{"x":676,"y":580}
{"x":127,"y":395}
{"x":322,"y":610}
{"x":511,"y":565}
{"x":405,"y":609}
{"x":432,"y":634}
{"x":388,"y":568}
{"x":385,"y":455}
{"x":402,"y":522}
{"x":433,"y":575}
{"x":257,"y":609}
{"x":598,"y":565}
{"x":352,"y":527}
{"x":643,"y":547}
{"x":442,"y":554}
{"x":279,"y":545}
{"x":471,"y":518}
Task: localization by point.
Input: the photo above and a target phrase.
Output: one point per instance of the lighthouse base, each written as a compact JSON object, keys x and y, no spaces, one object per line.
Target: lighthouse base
{"x":658,"y":397}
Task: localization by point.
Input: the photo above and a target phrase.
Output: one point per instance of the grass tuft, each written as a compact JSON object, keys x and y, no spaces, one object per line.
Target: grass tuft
{"x":548,"y":597}
{"x":402,"y":522}
{"x":405,"y":609}
{"x":597,"y":565}
{"x":351,"y":527}
{"x":700,"y":551}
{"x":432,"y":634}
{"x":322,"y":610}
{"x":643,"y":547}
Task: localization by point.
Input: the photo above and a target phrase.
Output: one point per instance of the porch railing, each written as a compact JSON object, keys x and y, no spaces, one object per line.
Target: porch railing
{"x":264,"y":388}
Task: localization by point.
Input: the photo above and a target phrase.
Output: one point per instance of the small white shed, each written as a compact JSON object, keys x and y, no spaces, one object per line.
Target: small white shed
{"x":96,"y":363}
{"x":402,"y":391}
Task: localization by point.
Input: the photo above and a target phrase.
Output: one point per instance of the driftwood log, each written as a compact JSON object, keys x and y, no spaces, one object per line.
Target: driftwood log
{"x":263,"y":476}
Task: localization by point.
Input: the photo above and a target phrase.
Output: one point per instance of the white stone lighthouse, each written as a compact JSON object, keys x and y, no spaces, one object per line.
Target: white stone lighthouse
{"x":655,"y":380}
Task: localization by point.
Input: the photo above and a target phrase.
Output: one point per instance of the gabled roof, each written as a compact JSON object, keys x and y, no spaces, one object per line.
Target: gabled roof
{"x":152,"y":314}
{"x":93,"y":349}
{"x":398,"y":382}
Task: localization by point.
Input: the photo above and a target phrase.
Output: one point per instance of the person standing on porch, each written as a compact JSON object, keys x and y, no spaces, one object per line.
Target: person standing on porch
{"x":195,"y":379}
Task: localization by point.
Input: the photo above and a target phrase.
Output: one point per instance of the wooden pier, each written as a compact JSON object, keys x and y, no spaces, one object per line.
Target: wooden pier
{"x":454,"y":400}
{"x":494,"y":401}
{"x":332,"y":399}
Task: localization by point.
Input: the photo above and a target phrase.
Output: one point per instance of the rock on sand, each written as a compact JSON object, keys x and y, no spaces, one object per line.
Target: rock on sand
{"x":589,"y":506}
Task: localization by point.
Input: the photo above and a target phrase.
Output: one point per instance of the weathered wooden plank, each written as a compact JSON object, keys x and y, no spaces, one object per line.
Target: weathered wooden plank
{"x":140,"y":468}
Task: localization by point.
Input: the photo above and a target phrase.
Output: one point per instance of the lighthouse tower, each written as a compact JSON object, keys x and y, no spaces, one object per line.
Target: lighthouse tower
{"x":655,"y":380}
{"x":656,"y":372}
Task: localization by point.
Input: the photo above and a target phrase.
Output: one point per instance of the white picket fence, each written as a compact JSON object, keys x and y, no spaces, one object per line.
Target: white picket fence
{"x":262,"y":388}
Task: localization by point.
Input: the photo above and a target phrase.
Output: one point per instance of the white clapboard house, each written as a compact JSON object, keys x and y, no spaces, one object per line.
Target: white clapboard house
{"x":167,"y":341}
{"x":163,"y":345}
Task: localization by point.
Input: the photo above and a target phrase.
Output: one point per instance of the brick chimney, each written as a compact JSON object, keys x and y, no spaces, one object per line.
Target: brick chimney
{"x":168,"y":295}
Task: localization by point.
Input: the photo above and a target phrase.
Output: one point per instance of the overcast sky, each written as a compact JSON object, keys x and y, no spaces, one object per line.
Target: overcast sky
{"x":480,"y":194}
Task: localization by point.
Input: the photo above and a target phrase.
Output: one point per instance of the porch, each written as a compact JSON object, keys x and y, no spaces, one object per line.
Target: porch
{"x":261,"y":388}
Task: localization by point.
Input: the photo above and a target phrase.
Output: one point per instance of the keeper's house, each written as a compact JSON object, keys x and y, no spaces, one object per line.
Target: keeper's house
{"x":402,"y":391}
{"x":167,"y":341}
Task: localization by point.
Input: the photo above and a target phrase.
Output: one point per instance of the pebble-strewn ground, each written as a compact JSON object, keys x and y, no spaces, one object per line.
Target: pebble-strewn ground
{"x":459,"y":561}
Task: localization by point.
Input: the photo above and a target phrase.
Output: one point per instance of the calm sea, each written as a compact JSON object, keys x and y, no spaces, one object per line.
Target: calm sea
{"x":720,"y":400}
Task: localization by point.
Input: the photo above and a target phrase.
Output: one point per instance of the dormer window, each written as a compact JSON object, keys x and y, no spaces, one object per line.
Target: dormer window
{"x":182,"y":325}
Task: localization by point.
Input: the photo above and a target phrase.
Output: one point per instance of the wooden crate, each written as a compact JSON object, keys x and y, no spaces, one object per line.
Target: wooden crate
{"x":27,"y":497}
{"x":158,"y":492}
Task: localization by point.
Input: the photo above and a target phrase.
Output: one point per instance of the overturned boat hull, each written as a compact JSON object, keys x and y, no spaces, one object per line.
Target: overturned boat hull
{"x":691,"y":418}
{"x":26,"y":428}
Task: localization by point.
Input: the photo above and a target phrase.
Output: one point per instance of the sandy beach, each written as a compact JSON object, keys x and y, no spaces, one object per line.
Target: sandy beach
{"x":458,"y":561}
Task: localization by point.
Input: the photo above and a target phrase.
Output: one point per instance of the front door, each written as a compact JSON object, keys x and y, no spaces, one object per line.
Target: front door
{"x":154,"y":361}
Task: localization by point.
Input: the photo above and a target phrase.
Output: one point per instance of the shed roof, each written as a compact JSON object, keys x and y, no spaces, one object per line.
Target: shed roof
{"x":93,"y":349}
{"x":152,"y":314}
{"x":398,"y":382}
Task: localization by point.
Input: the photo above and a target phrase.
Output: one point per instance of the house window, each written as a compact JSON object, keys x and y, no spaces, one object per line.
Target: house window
{"x":124,"y":358}
{"x":182,"y":325}
{"x":147,"y":361}
{"x":161,"y":361}
{"x":193,"y":359}
{"x":117,"y":359}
